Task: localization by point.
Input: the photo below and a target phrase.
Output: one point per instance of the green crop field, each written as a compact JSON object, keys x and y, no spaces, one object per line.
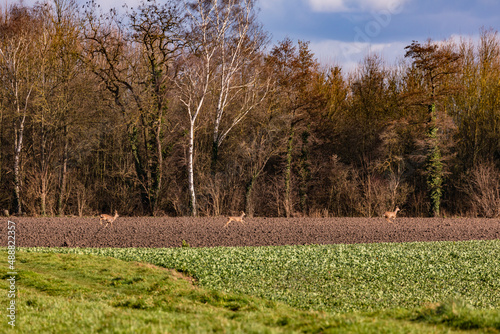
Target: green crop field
{"x":437,"y":287}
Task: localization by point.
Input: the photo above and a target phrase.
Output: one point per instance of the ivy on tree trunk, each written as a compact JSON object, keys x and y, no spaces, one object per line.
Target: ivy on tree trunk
{"x":434,"y":166}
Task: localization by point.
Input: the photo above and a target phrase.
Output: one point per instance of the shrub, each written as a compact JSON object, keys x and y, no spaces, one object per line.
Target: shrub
{"x":483,"y":190}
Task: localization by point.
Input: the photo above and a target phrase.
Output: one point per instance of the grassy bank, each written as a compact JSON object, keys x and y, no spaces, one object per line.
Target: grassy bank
{"x":393,"y":288}
{"x":339,"y":278}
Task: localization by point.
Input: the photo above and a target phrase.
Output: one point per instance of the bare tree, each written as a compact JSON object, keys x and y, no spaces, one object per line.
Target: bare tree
{"x":193,"y":83}
{"x":66,"y":49}
{"x":483,"y":190}
{"x":53,"y":102}
{"x":133,"y":59}
{"x":18,"y":70}
{"x":221,"y":66}
{"x":237,"y":40}
{"x":257,"y":151}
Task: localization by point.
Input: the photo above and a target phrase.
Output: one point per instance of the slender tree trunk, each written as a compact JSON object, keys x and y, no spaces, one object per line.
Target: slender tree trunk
{"x":305,"y":171}
{"x":43,"y":168}
{"x":139,"y":166}
{"x":17,"y":157}
{"x":249,"y":205}
{"x":215,"y":157}
{"x":476,"y":144}
{"x":288,"y":173}
{"x":158,"y":167}
{"x":43,"y":196}
{"x":62,"y":190}
{"x":192,"y":202}
{"x":215,"y":140}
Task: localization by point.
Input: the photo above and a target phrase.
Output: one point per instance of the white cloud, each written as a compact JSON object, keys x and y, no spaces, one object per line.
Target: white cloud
{"x":336,"y":6}
{"x":328,"y":5}
{"x":348,"y":55}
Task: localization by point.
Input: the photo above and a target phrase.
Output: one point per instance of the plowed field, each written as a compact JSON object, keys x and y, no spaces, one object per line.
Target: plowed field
{"x":210,"y":232}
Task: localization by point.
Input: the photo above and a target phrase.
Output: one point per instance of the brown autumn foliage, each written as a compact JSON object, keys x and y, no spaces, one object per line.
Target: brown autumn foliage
{"x":155,"y":116}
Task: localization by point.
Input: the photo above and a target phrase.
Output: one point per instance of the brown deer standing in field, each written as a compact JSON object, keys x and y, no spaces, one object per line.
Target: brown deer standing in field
{"x":391,"y":214}
{"x":108,"y":219}
{"x":236,"y":218}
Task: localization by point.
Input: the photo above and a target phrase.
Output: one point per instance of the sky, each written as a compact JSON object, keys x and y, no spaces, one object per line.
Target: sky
{"x":343,"y":32}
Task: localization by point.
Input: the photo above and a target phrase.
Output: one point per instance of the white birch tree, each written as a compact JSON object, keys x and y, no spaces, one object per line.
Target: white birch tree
{"x":18,"y":73}
{"x":237,"y":40}
{"x":223,"y":64}
{"x":193,"y":81}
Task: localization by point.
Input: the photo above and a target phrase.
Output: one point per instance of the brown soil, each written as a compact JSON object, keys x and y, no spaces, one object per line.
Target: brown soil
{"x":210,"y":232}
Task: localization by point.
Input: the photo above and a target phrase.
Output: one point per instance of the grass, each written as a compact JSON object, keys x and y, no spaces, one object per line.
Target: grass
{"x":340,"y":278}
{"x":62,"y":293}
{"x":440,"y":287}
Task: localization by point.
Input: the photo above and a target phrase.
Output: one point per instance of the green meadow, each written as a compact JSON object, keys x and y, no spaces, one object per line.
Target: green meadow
{"x":436,"y":287}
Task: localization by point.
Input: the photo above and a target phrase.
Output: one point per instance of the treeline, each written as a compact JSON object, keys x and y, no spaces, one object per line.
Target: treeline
{"x":184,"y":108}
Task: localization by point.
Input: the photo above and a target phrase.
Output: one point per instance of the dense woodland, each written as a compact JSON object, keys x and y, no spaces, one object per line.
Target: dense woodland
{"x":186,"y":108}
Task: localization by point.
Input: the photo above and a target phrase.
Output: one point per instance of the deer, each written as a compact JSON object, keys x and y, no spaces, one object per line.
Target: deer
{"x":108,"y":219}
{"x":391,"y":214}
{"x":236,"y":218}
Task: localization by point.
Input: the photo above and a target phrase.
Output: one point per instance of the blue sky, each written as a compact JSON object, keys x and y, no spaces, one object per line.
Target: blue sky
{"x":343,"y":32}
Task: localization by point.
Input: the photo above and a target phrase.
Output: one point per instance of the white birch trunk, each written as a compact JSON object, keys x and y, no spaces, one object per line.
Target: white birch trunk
{"x":192,"y":193}
{"x":17,"y":158}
